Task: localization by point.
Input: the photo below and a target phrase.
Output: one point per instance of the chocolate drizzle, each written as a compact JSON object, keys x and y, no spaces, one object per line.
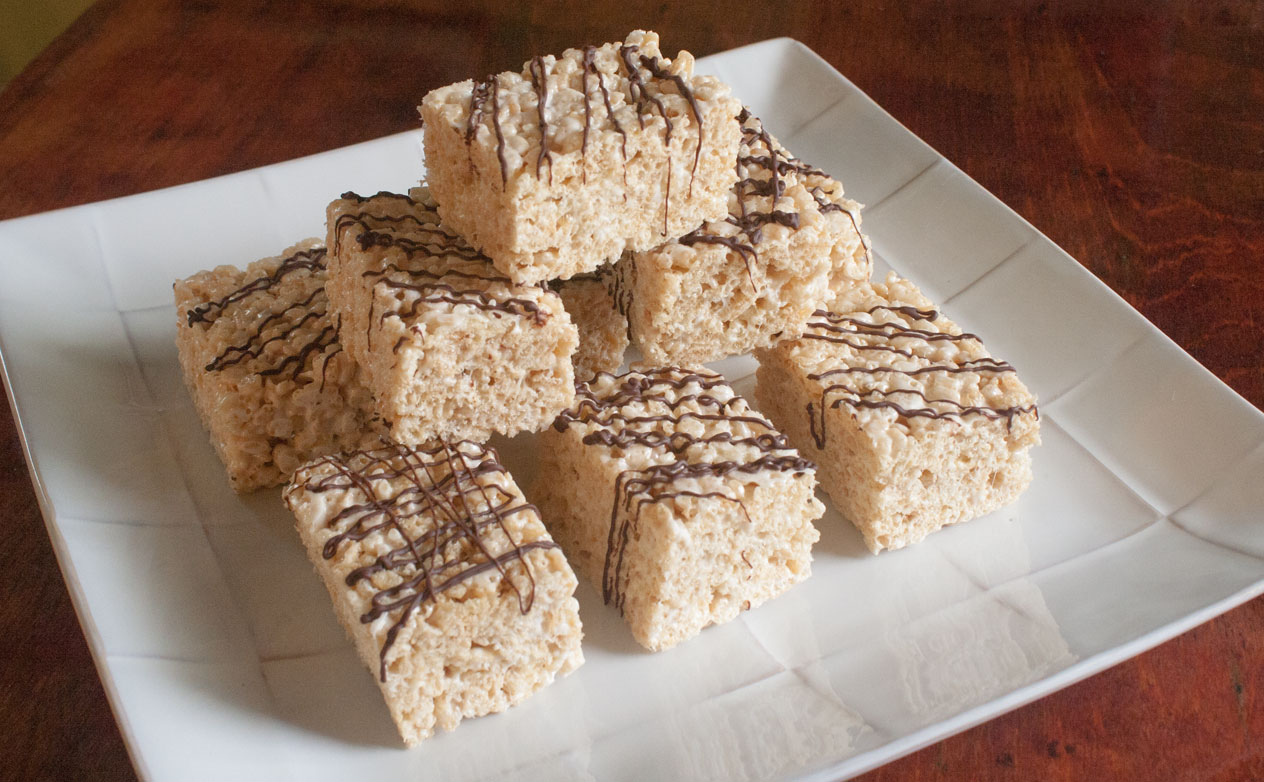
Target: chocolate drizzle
{"x":764,"y":169}
{"x":433,"y":290}
{"x":759,"y":171}
{"x":540,"y":81}
{"x":442,"y":268}
{"x":362,"y":221}
{"x":381,"y":194}
{"x":732,"y":242}
{"x":445,"y":526}
{"x":430,"y":238}
{"x":478,"y":100}
{"x":647,"y":411}
{"x":619,"y":278}
{"x":312,"y":260}
{"x":641,"y":70}
{"x":306,"y":316}
{"x":637,"y":93}
{"x":826,"y":206}
{"x":642,"y":99}
{"x":655,"y":67}
{"x":500,"y":134}
{"x":478,"y":103}
{"x":848,"y":385}
{"x":590,"y":66}
{"x":637,"y":65}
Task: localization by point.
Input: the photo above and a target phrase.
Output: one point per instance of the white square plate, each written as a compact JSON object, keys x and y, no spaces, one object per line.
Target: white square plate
{"x":223,"y":659}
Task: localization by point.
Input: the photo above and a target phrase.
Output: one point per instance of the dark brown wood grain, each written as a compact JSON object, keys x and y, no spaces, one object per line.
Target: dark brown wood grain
{"x":1132,"y":133}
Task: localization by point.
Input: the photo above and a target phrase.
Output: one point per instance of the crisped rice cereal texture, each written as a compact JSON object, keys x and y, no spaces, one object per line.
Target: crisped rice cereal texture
{"x":603,"y":331}
{"x":450,"y":347}
{"x":559,"y":168}
{"x":681,"y":503}
{"x":790,"y":243}
{"x":444,"y":577}
{"x":913,"y":424}
{"x":260,"y":355}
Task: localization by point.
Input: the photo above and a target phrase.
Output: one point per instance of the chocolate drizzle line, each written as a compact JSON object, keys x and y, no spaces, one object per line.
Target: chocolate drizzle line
{"x":590,"y":66}
{"x":365,"y":221}
{"x":478,"y":99}
{"x":540,"y":81}
{"x":619,"y":278}
{"x":324,"y":368}
{"x":636,"y":90}
{"x":446,"y":515}
{"x":880,"y":337}
{"x":478,"y":102}
{"x":655,"y":67}
{"x":744,"y":250}
{"x":435,"y":287}
{"x":618,"y":428}
{"x":827,"y":206}
{"x":761,"y":169}
{"x":312,"y":260}
{"x":363,"y":199}
{"x":434,"y":291}
{"x":278,"y":326}
{"x":426,"y":238}
{"x":583,"y":144}
{"x":431,"y":240}
{"x":750,"y":222}
{"x":642,"y":99}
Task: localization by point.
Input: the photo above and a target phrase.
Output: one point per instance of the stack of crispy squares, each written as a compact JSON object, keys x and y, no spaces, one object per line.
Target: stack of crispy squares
{"x":439,"y":569}
{"x":384,"y":362}
{"x":590,"y":201}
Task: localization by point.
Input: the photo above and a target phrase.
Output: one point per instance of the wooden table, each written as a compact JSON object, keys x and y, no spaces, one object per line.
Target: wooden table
{"x":1132,"y":135}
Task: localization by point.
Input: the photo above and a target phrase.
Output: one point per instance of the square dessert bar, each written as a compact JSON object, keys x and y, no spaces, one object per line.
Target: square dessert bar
{"x":790,"y":242}
{"x":261,"y":358}
{"x":603,"y":331}
{"x":913,"y":423}
{"x":684,"y":505}
{"x":443,"y":575}
{"x":450,"y":347}
{"x":559,"y":168}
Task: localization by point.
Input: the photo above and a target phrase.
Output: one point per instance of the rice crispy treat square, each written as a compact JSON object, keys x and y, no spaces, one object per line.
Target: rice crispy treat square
{"x":443,"y":576}
{"x":603,"y":331}
{"x":790,"y":242}
{"x":561,"y":167}
{"x":260,"y":355}
{"x":679,"y":501}
{"x":913,"y":424}
{"x":449,"y":346}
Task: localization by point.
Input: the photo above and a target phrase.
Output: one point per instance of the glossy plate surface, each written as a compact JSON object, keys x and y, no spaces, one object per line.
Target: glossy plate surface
{"x":220,"y":652}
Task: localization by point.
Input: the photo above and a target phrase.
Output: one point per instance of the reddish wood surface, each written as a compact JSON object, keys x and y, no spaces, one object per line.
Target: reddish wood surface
{"x":1132,"y":133}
